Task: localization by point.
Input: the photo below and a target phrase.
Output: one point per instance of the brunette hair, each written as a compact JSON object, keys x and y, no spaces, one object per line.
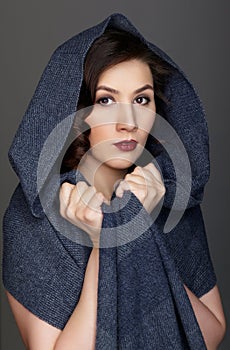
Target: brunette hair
{"x":112,"y":47}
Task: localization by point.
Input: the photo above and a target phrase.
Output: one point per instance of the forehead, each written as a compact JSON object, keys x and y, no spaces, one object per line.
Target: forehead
{"x":127,"y":72}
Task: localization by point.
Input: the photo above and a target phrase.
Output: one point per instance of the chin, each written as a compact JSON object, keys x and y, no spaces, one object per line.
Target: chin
{"x":120,"y":164}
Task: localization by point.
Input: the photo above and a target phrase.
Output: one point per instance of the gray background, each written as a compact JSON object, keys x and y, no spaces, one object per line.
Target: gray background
{"x":194,"y":33}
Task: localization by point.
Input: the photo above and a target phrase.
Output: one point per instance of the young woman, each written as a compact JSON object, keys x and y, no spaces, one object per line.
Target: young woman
{"x":126,"y":83}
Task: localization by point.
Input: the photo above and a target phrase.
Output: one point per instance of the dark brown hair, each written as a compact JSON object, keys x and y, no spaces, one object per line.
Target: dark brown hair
{"x":113,"y":47}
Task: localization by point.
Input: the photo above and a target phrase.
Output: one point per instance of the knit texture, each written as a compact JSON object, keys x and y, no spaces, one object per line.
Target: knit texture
{"x":142,"y":303}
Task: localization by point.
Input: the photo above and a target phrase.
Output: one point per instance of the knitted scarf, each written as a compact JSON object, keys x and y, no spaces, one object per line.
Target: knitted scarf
{"x":144,"y":258}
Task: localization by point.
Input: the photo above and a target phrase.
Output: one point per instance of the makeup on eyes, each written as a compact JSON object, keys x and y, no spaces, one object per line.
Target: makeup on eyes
{"x":116,"y":92}
{"x":108,"y":97}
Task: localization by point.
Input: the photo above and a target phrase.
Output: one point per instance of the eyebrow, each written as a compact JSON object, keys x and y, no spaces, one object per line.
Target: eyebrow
{"x":107,"y":88}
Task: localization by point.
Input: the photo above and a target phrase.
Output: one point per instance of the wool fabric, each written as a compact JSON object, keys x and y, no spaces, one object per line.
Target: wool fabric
{"x":142,"y":303}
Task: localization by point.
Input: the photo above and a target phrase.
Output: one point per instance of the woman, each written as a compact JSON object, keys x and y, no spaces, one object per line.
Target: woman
{"x":125,"y":81}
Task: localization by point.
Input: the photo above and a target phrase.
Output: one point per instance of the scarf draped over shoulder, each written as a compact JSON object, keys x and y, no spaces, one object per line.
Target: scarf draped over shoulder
{"x":144,"y":258}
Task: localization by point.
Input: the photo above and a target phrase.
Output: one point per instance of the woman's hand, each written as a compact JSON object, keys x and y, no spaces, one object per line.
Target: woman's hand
{"x":81,"y":205}
{"x":147,"y":185}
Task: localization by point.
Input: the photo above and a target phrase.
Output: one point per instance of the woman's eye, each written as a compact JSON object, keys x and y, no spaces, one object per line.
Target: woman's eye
{"x":105,"y":101}
{"x":142,"y":100}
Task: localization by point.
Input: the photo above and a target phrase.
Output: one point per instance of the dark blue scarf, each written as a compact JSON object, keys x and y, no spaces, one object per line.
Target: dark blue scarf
{"x":142,"y":303}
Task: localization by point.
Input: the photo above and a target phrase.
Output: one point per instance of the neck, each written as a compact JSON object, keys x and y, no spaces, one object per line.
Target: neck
{"x":100,"y":175}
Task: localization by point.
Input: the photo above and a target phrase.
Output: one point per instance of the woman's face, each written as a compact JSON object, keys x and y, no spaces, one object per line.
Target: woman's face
{"x":123,"y":114}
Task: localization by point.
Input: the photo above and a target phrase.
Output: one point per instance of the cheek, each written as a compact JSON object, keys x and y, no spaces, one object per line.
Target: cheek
{"x":98,"y":134}
{"x":145,"y":120}
{"x":143,"y":138}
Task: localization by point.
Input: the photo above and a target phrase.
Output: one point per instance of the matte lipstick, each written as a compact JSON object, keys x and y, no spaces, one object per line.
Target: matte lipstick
{"x":126,"y":145}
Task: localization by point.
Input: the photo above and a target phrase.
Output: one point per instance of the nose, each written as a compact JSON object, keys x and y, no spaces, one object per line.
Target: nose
{"x":126,"y":119}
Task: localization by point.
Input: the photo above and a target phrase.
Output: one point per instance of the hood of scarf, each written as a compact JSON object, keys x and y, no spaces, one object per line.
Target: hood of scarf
{"x":56,"y":97}
{"x":142,"y":303}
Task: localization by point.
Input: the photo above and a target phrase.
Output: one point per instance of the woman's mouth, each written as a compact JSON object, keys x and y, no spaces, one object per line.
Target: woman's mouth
{"x":126,"y":145}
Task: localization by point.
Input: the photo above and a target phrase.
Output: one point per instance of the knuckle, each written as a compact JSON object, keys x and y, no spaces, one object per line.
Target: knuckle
{"x":99,"y":195}
{"x":63,"y":186}
{"x":162,"y":189}
{"x":151,"y":166}
{"x":80,"y":185}
{"x":138,"y":169}
{"x":153,"y":169}
{"x":69,"y":213}
{"x":79,"y":215}
{"x":89,"y":215}
{"x":66,"y":186}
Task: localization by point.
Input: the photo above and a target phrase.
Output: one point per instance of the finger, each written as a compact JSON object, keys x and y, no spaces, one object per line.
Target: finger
{"x":82,"y":194}
{"x":140,"y":190}
{"x":135,"y":177}
{"x":123,"y":186}
{"x":80,"y":188}
{"x":134,"y":185}
{"x":145,"y":173}
{"x":153,"y":170}
{"x":79,"y":198}
{"x":106,"y":201}
{"x":94,"y":205}
{"x":64,"y":195}
{"x":91,"y":215}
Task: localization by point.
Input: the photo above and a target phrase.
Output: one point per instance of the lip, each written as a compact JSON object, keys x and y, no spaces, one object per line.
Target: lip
{"x":126,"y":145}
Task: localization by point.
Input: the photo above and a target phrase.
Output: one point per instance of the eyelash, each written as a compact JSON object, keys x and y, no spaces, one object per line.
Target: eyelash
{"x":98,"y":101}
{"x":146,"y":98}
